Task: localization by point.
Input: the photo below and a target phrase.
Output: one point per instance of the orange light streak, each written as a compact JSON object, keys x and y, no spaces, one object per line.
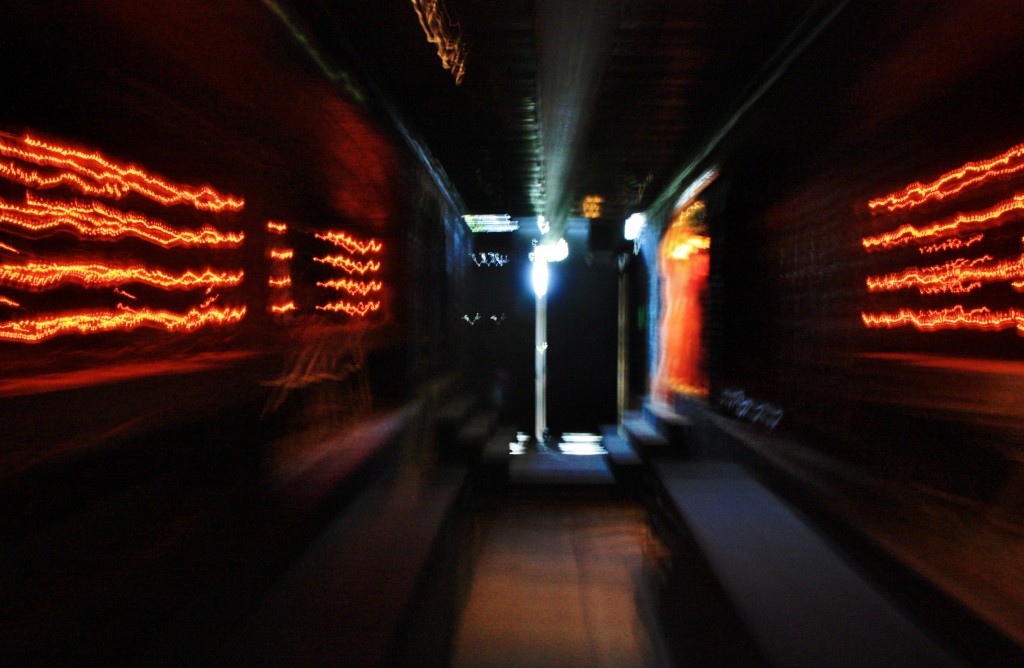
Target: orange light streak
{"x":41,"y":329}
{"x":351,"y":286}
{"x":951,"y":183}
{"x":283,"y":308}
{"x":118,"y":291}
{"x":959,"y":275}
{"x":435,"y":23}
{"x":277,"y":254}
{"x":276,"y":228}
{"x":9,"y":302}
{"x":350,"y":243}
{"x":107,"y":178}
{"x":956,"y":317}
{"x":349,"y":265}
{"x":10,"y":249}
{"x":359,"y":309}
{"x":92,"y":219}
{"x":688,"y":246}
{"x":45,"y":275}
{"x":280,"y":282}
{"x":950,"y":244}
{"x":908,"y":233}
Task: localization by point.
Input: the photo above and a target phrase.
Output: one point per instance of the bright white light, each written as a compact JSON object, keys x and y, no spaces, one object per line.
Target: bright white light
{"x":543,"y":224}
{"x":579,"y":437}
{"x":576,"y":443}
{"x":634,"y":225}
{"x":552,"y":252}
{"x":540,"y":275}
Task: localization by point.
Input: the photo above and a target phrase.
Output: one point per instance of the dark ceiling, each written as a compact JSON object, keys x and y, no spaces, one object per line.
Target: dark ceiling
{"x":565,"y":98}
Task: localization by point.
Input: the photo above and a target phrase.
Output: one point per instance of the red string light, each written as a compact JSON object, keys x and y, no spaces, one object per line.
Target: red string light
{"x":9,"y":302}
{"x":953,"y":182}
{"x":283,"y":308}
{"x":349,"y":265}
{"x":957,"y":276}
{"x":276,"y":228}
{"x":279,"y":281}
{"x":94,"y":174}
{"x":358,"y":309}
{"x":956,"y":317}
{"x":351,"y":286}
{"x":44,"y":275}
{"x":92,"y":219}
{"x":950,"y":244}
{"x":43,"y":328}
{"x":281,"y":254}
{"x":350,"y":243}
{"x":908,"y":233}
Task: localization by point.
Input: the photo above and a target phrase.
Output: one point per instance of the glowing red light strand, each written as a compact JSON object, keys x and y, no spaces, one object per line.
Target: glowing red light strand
{"x":951,"y":183}
{"x":94,"y":174}
{"x":281,"y":254}
{"x":950,"y":244}
{"x":276,"y":228}
{"x":279,"y":281}
{"x":956,"y":317}
{"x":350,"y":243}
{"x":9,"y":302}
{"x":351,"y":286}
{"x":41,"y":329}
{"x":92,"y":219}
{"x":359,"y":309}
{"x":349,"y":265}
{"x":909,"y":234}
{"x":45,"y":275}
{"x":283,"y":308}
{"x":959,"y":275}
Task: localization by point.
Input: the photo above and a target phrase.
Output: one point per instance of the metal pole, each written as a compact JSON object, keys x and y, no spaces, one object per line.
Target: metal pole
{"x":540,"y":367}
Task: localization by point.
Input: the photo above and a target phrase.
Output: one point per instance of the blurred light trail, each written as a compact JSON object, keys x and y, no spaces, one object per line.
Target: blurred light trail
{"x":47,"y":327}
{"x":955,"y":317}
{"x":358,"y":309}
{"x":281,"y":254}
{"x":953,"y":182}
{"x":4,"y":301}
{"x":906,"y":234}
{"x":491,"y":222}
{"x":351,"y":286}
{"x":279,"y":282}
{"x":349,"y":265}
{"x":350,"y":243}
{"x":439,"y":31}
{"x":92,"y":219}
{"x":276,"y":228}
{"x":94,"y":174}
{"x":39,"y":276}
{"x":283,"y":308}
{"x":10,"y":249}
{"x":951,"y":244}
{"x":959,"y":275}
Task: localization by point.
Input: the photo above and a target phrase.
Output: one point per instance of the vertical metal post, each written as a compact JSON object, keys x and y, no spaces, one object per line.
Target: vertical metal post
{"x":623,"y":352}
{"x":540,"y":367}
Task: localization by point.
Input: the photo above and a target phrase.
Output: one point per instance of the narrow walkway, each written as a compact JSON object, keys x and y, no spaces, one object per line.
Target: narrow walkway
{"x":561,"y":582}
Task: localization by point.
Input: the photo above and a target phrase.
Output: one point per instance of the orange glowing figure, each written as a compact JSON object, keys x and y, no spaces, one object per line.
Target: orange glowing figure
{"x":351,"y":286}
{"x":94,"y":174}
{"x":359,"y":309}
{"x":953,"y":182}
{"x":908,"y":233}
{"x":349,"y":265}
{"x":683,"y":263}
{"x":281,"y":254}
{"x":38,"y":276}
{"x":47,"y":327}
{"x":94,"y":220}
{"x":276,"y":228}
{"x":438,"y":29}
{"x":955,"y":317}
{"x":351,"y":244}
{"x":956,"y":276}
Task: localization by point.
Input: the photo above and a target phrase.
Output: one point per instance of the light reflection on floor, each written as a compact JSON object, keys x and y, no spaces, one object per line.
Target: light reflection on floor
{"x":561,"y":584}
{"x":571,"y":443}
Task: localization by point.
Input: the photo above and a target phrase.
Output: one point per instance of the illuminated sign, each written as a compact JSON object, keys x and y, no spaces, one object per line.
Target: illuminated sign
{"x":592,"y":206}
{"x":491,"y":222}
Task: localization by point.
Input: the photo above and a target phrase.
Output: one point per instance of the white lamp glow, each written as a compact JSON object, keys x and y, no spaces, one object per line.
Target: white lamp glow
{"x":634,"y":225}
{"x":540,"y":275}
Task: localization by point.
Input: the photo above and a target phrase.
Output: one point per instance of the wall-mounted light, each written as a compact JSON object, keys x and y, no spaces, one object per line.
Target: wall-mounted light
{"x":634,"y":226}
